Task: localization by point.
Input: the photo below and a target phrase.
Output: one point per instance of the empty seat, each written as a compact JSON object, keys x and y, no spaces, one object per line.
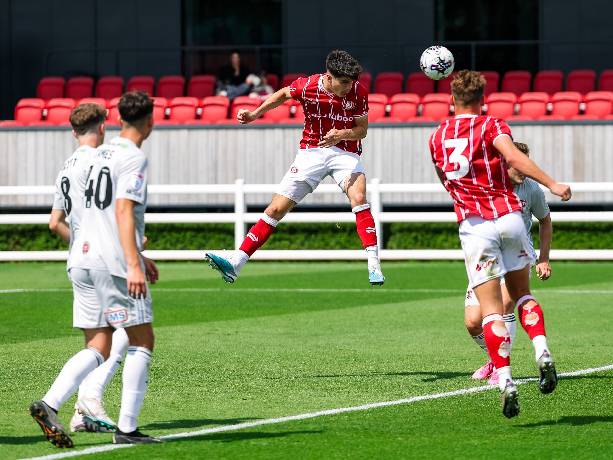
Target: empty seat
{"x":376,"y":106}
{"x":444,"y":86}
{"x":141,"y":83}
{"x":605,"y":82}
{"x":109,"y":87}
{"x":50,"y":88}
{"x":215,"y":108}
{"x":365,"y":80}
{"x":29,"y":110}
{"x":404,"y":107}
{"x":598,"y":104}
{"x":501,"y":105}
{"x":159,"y":108}
{"x":273,"y":80}
{"x":93,"y":100}
{"x":112,"y":116}
{"x":548,"y":81}
{"x":244,"y":102}
{"x":58,"y":110}
{"x":435,"y":106}
{"x":289,"y":78}
{"x":171,"y":86}
{"x":183,"y":109}
{"x":388,"y":83}
{"x":533,"y":105}
{"x":11,"y":124}
{"x":201,"y":86}
{"x":492,"y":79}
{"x":565,"y":104}
{"x":79,"y":87}
{"x":582,"y":81}
{"x":516,"y":82}
{"x":418,"y":83}
{"x":279,"y":113}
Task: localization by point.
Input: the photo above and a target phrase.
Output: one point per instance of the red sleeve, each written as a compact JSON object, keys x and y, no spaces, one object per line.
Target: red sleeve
{"x":296,"y":87}
{"x":361,"y":106}
{"x":497,"y":127}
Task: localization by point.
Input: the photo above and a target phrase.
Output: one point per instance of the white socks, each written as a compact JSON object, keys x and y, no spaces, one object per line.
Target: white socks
{"x":511,"y":325}
{"x":372,"y":252}
{"x":504,"y":374}
{"x":540,"y":346}
{"x":239,"y":260}
{"x":135,"y":379}
{"x":71,"y":375}
{"x":480,"y":340}
{"x":96,"y":382}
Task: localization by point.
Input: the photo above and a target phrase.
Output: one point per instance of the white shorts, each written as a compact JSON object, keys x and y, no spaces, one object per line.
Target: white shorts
{"x":493,"y":248}
{"x":311,"y":166}
{"x":102,"y":300}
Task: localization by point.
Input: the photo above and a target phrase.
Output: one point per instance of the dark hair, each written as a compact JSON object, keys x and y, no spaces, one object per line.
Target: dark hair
{"x":87,"y":117}
{"x":342,"y":64}
{"x":523,"y":148}
{"x":135,"y":106}
{"x":467,"y":87}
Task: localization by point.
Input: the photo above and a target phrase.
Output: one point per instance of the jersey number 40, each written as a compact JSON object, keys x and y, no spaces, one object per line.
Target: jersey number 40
{"x":102,"y":194}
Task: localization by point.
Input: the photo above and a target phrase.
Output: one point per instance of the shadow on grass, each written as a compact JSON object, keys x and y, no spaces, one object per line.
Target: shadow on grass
{"x":247,"y":436}
{"x":578,"y":420}
{"x":429,"y":376}
{"x":193,"y":423}
{"x":18,"y":440}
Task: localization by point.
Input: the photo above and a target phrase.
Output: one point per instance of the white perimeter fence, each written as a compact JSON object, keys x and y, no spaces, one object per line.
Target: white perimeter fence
{"x":240,"y":218}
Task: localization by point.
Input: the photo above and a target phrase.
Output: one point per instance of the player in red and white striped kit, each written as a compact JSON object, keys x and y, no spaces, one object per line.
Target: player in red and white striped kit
{"x":336,"y":120}
{"x":471,"y":153}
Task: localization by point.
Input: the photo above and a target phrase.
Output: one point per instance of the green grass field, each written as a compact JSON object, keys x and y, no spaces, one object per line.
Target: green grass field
{"x":295,"y":338}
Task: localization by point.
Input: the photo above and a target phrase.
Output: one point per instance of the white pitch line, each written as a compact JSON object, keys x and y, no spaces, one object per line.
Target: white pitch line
{"x":310,"y":415}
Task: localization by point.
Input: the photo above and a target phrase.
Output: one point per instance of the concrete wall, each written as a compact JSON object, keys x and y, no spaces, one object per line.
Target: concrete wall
{"x":577,"y":153}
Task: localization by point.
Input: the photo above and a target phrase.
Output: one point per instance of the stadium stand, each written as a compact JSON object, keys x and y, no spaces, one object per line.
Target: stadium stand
{"x":492,"y":78}
{"x":598,"y":105}
{"x":444,"y":86}
{"x":605,"y":82}
{"x":141,"y":83}
{"x":377,"y":104}
{"x":388,"y":83}
{"x":58,"y":110}
{"x":201,"y":86}
{"x":273,"y":80}
{"x":79,"y":87}
{"x":501,"y":105}
{"x":244,"y":102}
{"x":170,"y":86}
{"x":215,"y":108}
{"x":365,"y":80}
{"x":112,"y":115}
{"x":183,"y":109}
{"x":533,"y":105}
{"x":435,"y":106}
{"x":93,"y":100}
{"x":516,"y":82}
{"x":418,"y":83}
{"x":565,"y":104}
{"x":548,"y":81}
{"x":109,"y":87}
{"x":29,"y":110}
{"x":403,"y":107}
{"x":581,"y":81}
{"x":50,"y":88}
{"x":159,"y":108}
{"x":289,"y":78}
{"x":276,"y":115}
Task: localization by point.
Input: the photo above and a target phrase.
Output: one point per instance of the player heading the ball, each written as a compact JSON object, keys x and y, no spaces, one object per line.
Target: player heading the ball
{"x":336,"y":120}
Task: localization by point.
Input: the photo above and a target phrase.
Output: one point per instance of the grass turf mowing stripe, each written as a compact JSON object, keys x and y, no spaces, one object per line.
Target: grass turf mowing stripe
{"x":310,"y":415}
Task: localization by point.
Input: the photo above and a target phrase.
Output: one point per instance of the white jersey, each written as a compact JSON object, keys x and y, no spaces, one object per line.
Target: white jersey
{"x":69,"y":189}
{"x":117,"y":170}
{"x":533,"y":201}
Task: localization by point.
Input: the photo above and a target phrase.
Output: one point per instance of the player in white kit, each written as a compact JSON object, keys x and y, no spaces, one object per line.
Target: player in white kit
{"x":533,"y":204}
{"x":105,"y":258}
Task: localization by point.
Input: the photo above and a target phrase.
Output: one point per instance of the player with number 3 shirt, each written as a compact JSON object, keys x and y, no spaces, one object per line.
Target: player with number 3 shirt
{"x":471,"y":153}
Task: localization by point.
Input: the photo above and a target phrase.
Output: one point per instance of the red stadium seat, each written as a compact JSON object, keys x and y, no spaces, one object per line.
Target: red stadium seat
{"x":599,"y":104}
{"x":58,"y":110}
{"x":109,"y":87}
{"x":29,"y":110}
{"x":435,"y":106}
{"x":183,"y":109}
{"x":79,"y":87}
{"x":365,"y":80}
{"x":159,"y":108}
{"x":418,"y":83}
{"x":548,"y":81}
{"x":492,"y":78}
{"x":279,"y":113}
{"x":605,"y":82}
{"x":93,"y":100}
{"x":581,"y":81}
{"x":112,"y":116}
{"x":215,"y":108}
{"x":201,"y":86}
{"x":376,"y":106}
{"x":388,"y":83}
{"x":11,"y":124}
{"x":565,"y":104}
{"x":444,"y":86}
{"x":171,"y":86}
{"x":289,"y":78}
{"x":501,"y":105}
{"x":533,"y":105}
{"x":244,"y":102}
{"x":273,"y":80}
{"x":50,"y":88}
{"x":404,"y":106}
{"x":516,"y":82}
{"x":141,"y":83}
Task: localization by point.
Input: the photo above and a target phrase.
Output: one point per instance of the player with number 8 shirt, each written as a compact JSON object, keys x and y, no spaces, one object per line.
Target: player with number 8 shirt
{"x":471,"y":153}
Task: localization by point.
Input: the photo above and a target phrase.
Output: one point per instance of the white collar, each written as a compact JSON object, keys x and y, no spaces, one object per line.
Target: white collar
{"x":466,"y":115}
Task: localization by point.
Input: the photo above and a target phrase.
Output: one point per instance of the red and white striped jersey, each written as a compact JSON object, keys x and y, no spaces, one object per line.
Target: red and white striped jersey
{"x":475,"y":173}
{"x":324,"y":111}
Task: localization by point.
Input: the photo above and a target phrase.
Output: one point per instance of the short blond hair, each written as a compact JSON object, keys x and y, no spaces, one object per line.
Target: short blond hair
{"x":87,"y":117}
{"x":467,"y":87}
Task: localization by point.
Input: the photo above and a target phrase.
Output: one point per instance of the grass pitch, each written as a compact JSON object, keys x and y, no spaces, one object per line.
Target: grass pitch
{"x":294,"y":338}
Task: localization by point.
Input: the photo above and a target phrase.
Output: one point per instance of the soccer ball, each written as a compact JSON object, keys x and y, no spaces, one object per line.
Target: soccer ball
{"x":436,"y":62}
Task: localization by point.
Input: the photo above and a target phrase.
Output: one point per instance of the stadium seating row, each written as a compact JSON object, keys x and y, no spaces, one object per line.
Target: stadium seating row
{"x":404,"y":107}
{"x":388,"y":83}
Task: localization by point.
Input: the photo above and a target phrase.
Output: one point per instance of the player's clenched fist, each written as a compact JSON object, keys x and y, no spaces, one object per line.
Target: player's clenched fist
{"x":561,"y":190}
{"x":244,"y":116}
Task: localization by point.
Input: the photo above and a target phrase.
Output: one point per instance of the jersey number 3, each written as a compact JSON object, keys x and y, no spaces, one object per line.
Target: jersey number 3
{"x":458,"y":146}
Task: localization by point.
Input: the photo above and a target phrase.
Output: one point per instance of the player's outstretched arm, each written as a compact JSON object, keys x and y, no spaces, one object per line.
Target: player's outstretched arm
{"x":334,"y":136}
{"x":526,"y":166}
{"x":543,"y":269}
{"x":58,"y":225}
{"x":274,"y":100}
{"x":124,"y":213}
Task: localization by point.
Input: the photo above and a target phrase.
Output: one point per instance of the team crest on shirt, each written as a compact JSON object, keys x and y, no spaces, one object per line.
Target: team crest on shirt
{"x":293,"y":170}
{"x":348,"y":105}
{"x":85,"y":248}
{"x":136,"y":184}
{"x":524,"y":203}
{"x":116,"y":316}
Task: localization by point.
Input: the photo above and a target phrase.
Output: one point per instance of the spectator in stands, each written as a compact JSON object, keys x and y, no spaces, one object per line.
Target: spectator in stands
{"x":263,"y":90}
{"x":236,"y":80}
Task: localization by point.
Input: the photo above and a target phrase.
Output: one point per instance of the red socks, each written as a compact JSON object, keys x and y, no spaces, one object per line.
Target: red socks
{"x":497,"y":340}
{"x":531,"y":316}
{"x":365,"y":225}
{"x":258,"y":234}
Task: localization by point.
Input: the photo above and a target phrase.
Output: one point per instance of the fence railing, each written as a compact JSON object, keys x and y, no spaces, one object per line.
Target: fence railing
{"x":240,"y":218}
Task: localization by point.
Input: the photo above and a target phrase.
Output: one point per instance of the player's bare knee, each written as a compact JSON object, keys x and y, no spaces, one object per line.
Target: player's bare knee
{"x":472,"y":320}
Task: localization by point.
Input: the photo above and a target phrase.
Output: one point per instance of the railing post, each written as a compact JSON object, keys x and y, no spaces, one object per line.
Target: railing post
{"x":239,"y":212}
{"x":375,"y":206}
